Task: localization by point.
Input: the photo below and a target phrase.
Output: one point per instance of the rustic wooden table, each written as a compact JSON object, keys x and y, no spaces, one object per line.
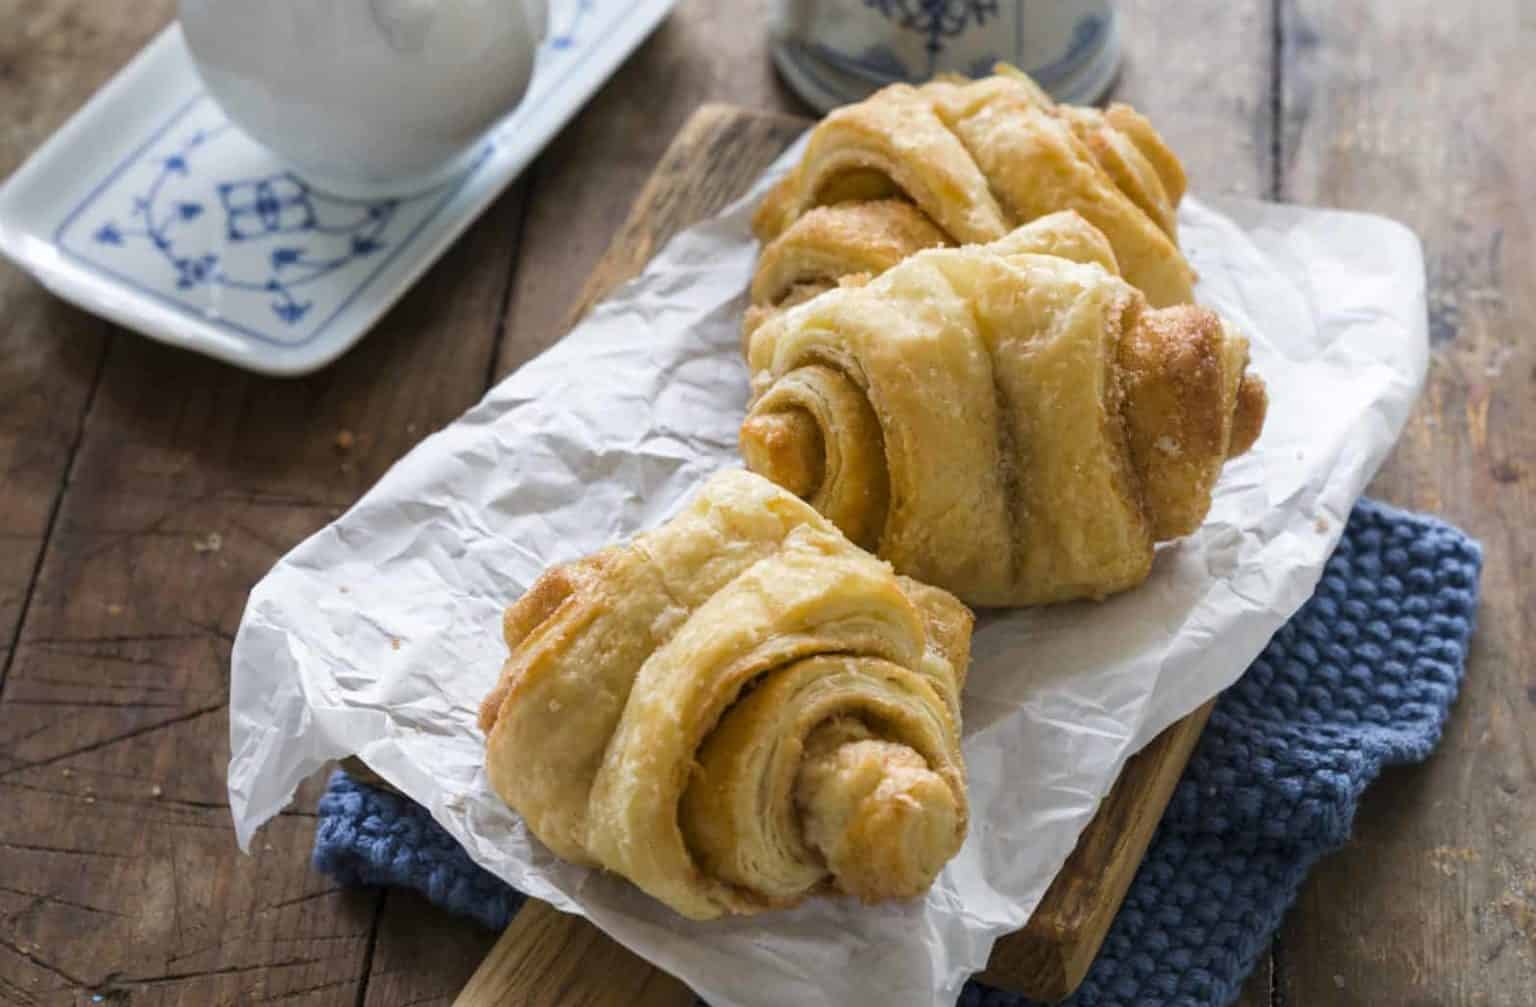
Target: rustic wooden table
{"x":146,"y":489}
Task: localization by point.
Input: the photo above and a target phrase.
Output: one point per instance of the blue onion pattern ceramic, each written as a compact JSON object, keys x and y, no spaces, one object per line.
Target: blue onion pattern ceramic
{"x":836,"y":51}
{"x":151,"y":208}
{"x":200,"y":215}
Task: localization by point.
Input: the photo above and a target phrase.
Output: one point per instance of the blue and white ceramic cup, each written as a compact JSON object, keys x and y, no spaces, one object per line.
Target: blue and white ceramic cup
{"x":832,"y":52}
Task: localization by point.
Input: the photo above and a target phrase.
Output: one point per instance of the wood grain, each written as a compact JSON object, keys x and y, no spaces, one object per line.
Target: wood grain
{"x":1419,"y":110}
{"x":587,"y":180}
{"x":52,"y":56}
{"x":422,"y":955}
{"x":720,"y":151}
{"x":548,"y":959}
{"x":1202,"y":71}
{"x":118,"y":875}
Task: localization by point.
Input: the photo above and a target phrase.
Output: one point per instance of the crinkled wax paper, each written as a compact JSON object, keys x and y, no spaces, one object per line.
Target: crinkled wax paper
{"x":379,"y":635}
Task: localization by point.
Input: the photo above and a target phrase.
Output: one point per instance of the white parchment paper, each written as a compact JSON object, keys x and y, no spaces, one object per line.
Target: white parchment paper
{"x":380,"y":634}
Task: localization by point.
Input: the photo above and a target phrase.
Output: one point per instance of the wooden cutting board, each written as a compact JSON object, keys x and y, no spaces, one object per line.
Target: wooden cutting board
{"x":548,"y":957}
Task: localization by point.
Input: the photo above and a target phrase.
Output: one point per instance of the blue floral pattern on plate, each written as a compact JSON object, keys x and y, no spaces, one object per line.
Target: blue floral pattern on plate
{"x":231,"y":239}
{"x":150,"y":210}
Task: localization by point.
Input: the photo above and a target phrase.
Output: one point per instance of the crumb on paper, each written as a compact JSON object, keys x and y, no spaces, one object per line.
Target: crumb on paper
{"x":394,"y":643}
{"x":344,"y":589}
{"x":345,"y":440}
{"x":1321,"y":524}
{"x":211,"y":542}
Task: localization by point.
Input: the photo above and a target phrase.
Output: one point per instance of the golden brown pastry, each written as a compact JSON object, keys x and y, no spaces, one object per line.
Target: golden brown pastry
{"x":829,"y":245}
{"x":979,"y":158}
{"x":736,"y":710}
{"x":1134,"y":156}
{"x":1014,"y":427}
{"x":891,"y":144}
{"x":851,"y":243}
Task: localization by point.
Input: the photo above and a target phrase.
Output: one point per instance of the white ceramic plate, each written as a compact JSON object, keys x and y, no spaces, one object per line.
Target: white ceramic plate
{"x":149,"y":209}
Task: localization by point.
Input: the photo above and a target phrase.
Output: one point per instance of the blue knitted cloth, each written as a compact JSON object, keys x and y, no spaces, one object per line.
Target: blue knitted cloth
{"x":1361,"y":677}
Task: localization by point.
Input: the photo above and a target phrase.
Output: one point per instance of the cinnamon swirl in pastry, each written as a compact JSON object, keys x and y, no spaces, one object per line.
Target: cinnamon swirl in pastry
{"x":1014,"y":427}
{"x":736,"y":710}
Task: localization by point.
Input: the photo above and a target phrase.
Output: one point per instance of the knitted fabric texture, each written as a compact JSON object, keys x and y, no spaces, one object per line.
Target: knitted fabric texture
{"x":1361,"y":677}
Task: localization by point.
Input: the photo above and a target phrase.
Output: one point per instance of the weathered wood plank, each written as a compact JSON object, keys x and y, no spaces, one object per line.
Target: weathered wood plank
{"x":736,"y":146}
{"x":1201,"y":70}
{"x":118,"y":873}
{"x":548,"y":959}
{"x":1418,"y":110}
{"x":1258,"y":991}
{"x":192,"y":480}
{"x":587,"y":180}
{"x":422,"y":955}
{"x":53,"y":55}
{"x":140,"y":900}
